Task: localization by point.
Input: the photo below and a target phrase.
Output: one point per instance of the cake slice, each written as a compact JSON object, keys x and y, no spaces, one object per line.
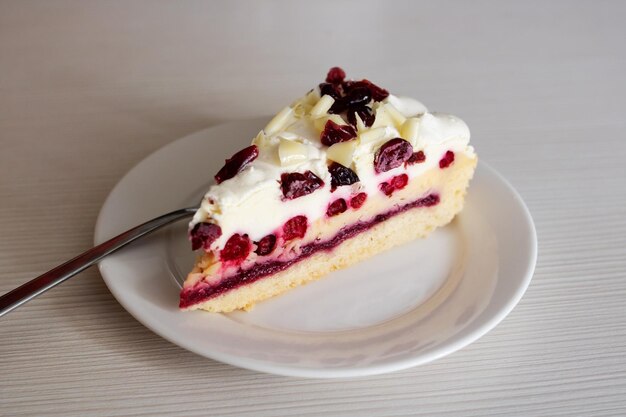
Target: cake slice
{"x":344,"y":173}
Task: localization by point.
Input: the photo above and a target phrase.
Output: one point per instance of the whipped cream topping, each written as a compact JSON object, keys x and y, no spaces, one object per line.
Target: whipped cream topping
{"x":252,"y":201}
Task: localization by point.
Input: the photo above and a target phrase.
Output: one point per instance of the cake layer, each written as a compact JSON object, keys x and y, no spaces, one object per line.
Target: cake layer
{"x":402,"y":218}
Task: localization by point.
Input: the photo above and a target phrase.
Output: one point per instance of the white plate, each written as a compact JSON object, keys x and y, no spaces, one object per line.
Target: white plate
{"x":403,"y":308}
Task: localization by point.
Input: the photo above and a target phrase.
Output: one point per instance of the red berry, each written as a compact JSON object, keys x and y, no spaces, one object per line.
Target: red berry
{"x":417,"y":158}
{"x":236,"y":163}
{"x":327,"y":89}
{"x":447,"y":160}
{"x":236,"y":249}
{"x":386,"y":188}
{"x":295,"y":228}
{"x":335,"y":75}
{"x":358,"y":97}
{"x":341,"y":175}
{"x":266,"y":245}
{"x":392,"y":154}
{"x":400,"y":181}
{"x":358,"y":200}
{"x":365,"y":113}
{"x":377,"y":93}
{"x":203,"y":235}
{"x":336,"y":207}
{"x":334,"y":133}
{"x":296,"y":185}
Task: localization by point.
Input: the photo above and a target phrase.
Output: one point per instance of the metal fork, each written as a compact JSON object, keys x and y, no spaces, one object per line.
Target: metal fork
{"x":55,"y":276}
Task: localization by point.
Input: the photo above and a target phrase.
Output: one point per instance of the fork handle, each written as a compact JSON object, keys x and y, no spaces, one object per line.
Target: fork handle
{"x":54,"y":277}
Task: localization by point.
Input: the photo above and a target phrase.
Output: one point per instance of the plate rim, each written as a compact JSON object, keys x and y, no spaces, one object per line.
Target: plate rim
{"x":308,"y":372}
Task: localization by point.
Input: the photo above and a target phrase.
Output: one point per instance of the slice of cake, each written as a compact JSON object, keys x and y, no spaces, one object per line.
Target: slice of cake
{"x":344,"y":173}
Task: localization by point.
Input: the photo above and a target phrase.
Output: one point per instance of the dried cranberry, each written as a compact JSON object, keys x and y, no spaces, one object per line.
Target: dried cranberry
{"x":236,"y":163}
{"x":334,"y":133}
{"x":295,"y":228}
{"x":339,"y":106}
{"x":335,"y":75}
{"x":358,"y":200}
{"x":365,"y":113}
{"x":203,"y":235}
{"x":336,"y":207}
{"x":447,"y":159}
{"x":327,"y":89}
{"x":400,"y":181}
{"x":266,"y":245}
{"x":417,"y":158}
{"x":377,"y":93}
{"x":296,"y":185}
{"x":236,"y":249}
{"x":392,"y":154}
{"x":341,"y":175}
{"x":358,"y":97}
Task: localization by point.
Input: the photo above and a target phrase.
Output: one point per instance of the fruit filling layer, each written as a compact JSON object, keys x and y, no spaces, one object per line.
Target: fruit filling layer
{"x":204,"y":291}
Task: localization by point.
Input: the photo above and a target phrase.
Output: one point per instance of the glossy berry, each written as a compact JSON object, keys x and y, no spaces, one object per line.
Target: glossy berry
{"x":341,"y":175}
{"x":266,"y":245}
{"x":365,"y":113}
{"x":296,"y":184}
{"x":327,"y":89}
{"x":358,"y":200}
{"x":447,"y":160}
{"x":377,"y":93}
{"x":203,"y":235}
{"x":236,"y":249}
{"x":400,"y":181}
{"x":236,"y":163}
{"x":334,"y":133}
{"x":295,"y":228}
{"x":336,"y":207}
{"x":392,"y":154}
{"x":335,"y":75}
{"x":358,"y":97}
{"x":417,"y":158}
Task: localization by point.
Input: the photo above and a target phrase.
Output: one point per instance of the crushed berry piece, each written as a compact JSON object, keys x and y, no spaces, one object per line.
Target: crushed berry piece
{"x":341,"y":175}
{"x":365,"y":113}
{"x":296,"y":184}
{"x":400,"y":181}
{"x":295,"y":228}
{"x":334,"y":133}
{"x":386,"y":188}
{"x":336,"y":207}
{"x":203,"y":235}
{"x":236,"y":163}
{"x":236,"y":249}
{"x":417,"y":158}
{"x":358,"y":97}
{"x":266,"y":245}
{"x":335,"y":75}
{"x":447,"y":160}
{"x":339,"y":106}
{"x":392,"y":154}
{"x":377,"y":93}
{"x":358,"y":200}
{"x":327,"y":89}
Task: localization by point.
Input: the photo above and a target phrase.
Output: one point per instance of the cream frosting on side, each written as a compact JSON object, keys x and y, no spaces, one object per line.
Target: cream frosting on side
{"x":252,"y":202}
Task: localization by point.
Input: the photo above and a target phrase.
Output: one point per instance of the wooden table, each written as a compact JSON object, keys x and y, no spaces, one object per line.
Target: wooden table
{"x":88,"y":89}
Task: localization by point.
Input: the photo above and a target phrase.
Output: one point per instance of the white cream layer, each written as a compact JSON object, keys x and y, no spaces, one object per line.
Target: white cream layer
{"x":252,"y":201}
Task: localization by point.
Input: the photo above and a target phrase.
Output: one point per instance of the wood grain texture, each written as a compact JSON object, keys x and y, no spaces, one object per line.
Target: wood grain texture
{"x":87,"y":89}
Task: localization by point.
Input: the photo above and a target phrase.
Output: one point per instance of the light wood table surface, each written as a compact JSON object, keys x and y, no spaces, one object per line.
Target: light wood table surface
{"x":88,"y":89}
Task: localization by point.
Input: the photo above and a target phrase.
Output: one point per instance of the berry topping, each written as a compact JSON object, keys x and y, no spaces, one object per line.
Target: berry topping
{"x":295,"y":228}
{"x":296,"y":185}
{"x":377,"y":93}
{"x":341,"y":175}
{"x":358,"y":97}
{"x":203,"y":235}
{"x":358,"y":200}
{"x":417,"y":158}
{"x":335,"y":75}
{"x":365,"y":113}
{"x":447,"y":159}
{"x":396,"y":183}
{"x":327,"y":89}
{"x":336,"y":207}
{"x":334,"y":133}
{"x":392,"y":154}
{"x":236,"y":249}
{"x":266,"y":245}
{"x":236,"y":163}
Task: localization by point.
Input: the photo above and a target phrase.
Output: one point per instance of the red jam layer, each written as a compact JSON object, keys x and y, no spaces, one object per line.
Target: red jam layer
{"x":202,"y":292}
